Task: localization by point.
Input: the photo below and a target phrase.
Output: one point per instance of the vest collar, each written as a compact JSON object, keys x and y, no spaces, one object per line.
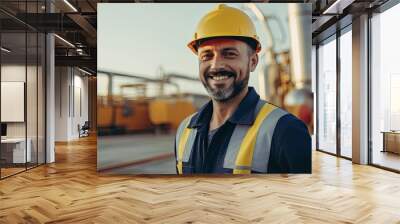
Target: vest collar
{"x":243,"y":115}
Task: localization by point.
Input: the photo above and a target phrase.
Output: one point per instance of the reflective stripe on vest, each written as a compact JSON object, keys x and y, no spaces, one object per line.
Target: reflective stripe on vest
{"x":249,"y":146}
{"x":184,"y":143}
{"x":264,"y":140}
{"x":236,"y":139}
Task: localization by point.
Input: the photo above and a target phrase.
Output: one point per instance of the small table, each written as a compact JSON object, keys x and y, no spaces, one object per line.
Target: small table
{"x":391,"y":141}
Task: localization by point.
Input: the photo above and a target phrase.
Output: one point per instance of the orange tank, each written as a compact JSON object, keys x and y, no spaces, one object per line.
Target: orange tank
{"x":170,"y":111}
{"x":133,"y":115}
{"x":104,"y":116}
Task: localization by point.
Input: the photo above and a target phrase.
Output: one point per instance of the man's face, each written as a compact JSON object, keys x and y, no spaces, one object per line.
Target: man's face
{"x":225,"y":66}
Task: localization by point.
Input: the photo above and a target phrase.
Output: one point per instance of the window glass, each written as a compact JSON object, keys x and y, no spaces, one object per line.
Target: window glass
{"x":345,"y":94}
{"x":327,"y":96}
{"x":385,"y":87}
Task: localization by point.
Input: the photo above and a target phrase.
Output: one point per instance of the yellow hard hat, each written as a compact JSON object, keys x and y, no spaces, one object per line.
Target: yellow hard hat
{"x":225,"y":21}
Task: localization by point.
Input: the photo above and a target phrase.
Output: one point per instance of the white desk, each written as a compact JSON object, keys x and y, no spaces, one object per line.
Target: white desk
{"x":18,"y":149}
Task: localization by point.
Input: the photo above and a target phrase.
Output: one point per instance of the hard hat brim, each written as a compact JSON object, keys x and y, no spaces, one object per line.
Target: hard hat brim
{"x":193,"y":45}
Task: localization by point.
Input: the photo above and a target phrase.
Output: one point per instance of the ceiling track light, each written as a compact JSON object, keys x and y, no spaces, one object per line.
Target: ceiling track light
{"x":70,"y":5}
{"x":5,"y":50}
{"x":337,"y":7}
{"x":84,"y":71}
{"x":65,"y":41}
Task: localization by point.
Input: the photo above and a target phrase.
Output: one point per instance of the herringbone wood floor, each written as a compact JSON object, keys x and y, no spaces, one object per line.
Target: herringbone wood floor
{"x":70,"y":191}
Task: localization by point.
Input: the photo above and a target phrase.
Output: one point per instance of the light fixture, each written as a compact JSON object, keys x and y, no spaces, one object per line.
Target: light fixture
{"x":84,"y":71}
{"x":5,"y":50}
{"x":331,"y":7}
{"x":64,"y":40}
{"x":337,"y":7}
{"x":80,"y":51}
{"x":70,"y":5}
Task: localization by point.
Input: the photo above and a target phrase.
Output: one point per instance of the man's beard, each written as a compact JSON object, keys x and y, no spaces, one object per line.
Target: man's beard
{"x":227,"y":93}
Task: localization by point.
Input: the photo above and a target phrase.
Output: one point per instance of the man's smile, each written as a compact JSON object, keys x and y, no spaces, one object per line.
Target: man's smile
{"x":221,"y":77}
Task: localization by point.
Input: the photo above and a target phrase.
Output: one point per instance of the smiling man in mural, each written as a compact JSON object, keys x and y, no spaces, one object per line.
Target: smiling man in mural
{"x":236,"y":131}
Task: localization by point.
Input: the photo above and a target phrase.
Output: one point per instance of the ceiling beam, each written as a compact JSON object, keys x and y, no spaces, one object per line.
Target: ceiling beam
{"x":84,"y":61}
{"x":85,"y":25}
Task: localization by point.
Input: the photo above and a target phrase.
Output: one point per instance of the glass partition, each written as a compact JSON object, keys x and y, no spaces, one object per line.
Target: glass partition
{"x":31,"y":97}
{"x":22,"y":88}
{"x":14,"y":151}
{"x":41,"y":96}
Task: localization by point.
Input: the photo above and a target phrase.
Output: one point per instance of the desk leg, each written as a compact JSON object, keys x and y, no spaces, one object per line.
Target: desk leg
{"x":384,"y":142}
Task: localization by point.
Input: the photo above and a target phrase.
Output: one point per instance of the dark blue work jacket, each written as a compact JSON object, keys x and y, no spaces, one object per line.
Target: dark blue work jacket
{"x":290,"y":149}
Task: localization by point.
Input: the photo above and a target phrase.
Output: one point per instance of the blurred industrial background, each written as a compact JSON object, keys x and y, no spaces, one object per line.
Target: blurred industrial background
{"x":147,"y":80}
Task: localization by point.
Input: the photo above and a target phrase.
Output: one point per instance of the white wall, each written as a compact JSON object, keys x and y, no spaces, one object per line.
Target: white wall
{"x":79,"y":115}
{"x":62,"y":81}
{"x":14,"y":73}
{"x":70,"y":84}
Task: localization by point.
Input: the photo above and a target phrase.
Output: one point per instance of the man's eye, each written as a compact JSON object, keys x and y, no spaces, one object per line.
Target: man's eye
{"x":205,"y":57}
{"x":230,"y":54}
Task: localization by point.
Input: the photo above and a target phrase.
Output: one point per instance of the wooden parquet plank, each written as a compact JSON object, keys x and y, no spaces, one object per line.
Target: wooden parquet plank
{"x":71,"y":191}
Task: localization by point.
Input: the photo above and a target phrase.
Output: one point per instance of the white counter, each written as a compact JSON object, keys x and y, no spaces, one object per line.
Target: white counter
{"x":18,"y":145}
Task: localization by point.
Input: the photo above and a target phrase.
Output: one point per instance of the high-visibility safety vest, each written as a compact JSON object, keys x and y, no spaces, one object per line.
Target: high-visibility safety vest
{"x":249,"y":146}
